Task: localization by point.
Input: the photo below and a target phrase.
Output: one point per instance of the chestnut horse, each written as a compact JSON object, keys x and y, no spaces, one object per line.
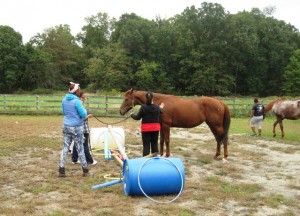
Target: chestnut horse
{"x":185,"y":113}
{"x":283,"y":109}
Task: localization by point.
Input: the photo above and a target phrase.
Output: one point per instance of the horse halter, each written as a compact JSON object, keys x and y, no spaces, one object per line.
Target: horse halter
{"x":132,"y":103}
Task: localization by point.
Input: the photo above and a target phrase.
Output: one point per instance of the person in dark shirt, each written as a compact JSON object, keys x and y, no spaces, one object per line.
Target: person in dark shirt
{"x":256,"y":117}
{"x":86,"y":133}
{"x":150,"y":126}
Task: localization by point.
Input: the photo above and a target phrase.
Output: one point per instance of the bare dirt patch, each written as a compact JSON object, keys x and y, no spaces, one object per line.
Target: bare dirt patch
{"x":261,"y":177}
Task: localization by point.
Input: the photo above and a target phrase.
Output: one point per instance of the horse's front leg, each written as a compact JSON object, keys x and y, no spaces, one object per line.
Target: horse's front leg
{"x":166,"y":138}
{"x":161,"y":142}
{"x":167,"y":141}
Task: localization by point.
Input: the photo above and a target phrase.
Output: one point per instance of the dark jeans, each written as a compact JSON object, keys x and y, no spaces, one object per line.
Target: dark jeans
{"x":150,"y":139}
{"x":88,"y":156}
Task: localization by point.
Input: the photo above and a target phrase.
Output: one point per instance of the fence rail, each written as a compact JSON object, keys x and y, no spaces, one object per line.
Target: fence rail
{"x":98,"y":105}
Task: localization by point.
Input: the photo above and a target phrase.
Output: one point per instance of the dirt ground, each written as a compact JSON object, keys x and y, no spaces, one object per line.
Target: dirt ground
{"x":29,"y":183}
{"x":276,"y":171}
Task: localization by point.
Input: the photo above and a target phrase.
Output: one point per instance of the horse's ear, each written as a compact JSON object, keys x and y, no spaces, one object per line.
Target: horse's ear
{"x":131,"y":90}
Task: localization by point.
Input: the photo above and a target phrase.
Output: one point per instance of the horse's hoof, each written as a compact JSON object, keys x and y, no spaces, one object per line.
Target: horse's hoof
{"x":216,"y":157}
{"x":224,"y":160}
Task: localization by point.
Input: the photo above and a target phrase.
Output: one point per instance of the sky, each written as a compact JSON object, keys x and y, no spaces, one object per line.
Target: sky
{"x":29,"y":17}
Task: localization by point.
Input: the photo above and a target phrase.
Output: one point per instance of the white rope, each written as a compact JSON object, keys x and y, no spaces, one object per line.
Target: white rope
{"x":182,"y":183}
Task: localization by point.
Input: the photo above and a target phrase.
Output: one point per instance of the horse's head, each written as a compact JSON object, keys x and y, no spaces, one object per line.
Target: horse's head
{"x":128,"y":102}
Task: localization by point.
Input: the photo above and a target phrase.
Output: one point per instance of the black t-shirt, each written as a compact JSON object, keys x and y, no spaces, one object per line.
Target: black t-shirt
{"x":258,"y":109}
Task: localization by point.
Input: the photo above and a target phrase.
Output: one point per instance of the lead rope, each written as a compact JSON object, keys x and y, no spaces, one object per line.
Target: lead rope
{"x":110,"y":123}
{"x":106,"y":123}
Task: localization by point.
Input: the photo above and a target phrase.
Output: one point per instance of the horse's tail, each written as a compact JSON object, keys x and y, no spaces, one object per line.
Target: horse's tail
{"x":226,"y":124}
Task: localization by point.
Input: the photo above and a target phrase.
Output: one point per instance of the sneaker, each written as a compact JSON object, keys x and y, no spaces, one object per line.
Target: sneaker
{"x":75,"y":162}
{"x":155,"y":154}
{"x":94,"y":163}
{"x":254,"y":134}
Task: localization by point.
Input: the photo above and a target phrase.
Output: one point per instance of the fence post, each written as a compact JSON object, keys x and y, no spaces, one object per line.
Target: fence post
{"x":106,"y":105}
{"x":87,"y":103}
{"x":4,"y":102}
{"x":37,"y":102}
{"x":234,"y":110}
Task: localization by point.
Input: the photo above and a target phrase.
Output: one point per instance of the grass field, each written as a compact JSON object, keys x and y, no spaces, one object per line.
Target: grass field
{"x":291,"y":128}
{"x":261,"y":176}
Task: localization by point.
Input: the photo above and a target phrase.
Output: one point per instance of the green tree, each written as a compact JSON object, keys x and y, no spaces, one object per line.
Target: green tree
{"x":133,"y":33}
{"x":96,"y":32}
{"x":109,"y":69}
{"x":260,"y":47}
{"x":37,"y":69}
{"x":12,"y":58}
{"x":278,"y":41}
{"x":243,"y":59}
{"x":291,"y":83}
{"x":59,"y":43}
{"x":202,"y":51}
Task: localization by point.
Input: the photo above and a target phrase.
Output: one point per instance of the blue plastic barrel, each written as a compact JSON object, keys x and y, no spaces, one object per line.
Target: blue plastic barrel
{"x":153,"y":176}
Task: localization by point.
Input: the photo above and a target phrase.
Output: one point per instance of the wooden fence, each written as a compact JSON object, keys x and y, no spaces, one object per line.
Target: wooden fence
{"x":51,"y":104}
{"x":98,"y":105}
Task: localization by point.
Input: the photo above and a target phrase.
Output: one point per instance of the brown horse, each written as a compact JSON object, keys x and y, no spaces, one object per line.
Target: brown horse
{"x":283,"y":109}
{"x":185,"y":113}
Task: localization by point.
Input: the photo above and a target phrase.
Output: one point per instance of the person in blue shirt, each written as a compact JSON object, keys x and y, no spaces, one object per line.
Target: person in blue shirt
{"x":86,"y":132}
{"x":256,"y":117}
{"x":74,"y":115}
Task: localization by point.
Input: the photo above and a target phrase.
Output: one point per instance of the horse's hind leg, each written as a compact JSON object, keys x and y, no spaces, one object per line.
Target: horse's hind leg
{"x":281,"y":128}
{"x":274,"y":126}
{"x":218,"y":151}
{"x":216,"y":132}
{"x":225,"y":151}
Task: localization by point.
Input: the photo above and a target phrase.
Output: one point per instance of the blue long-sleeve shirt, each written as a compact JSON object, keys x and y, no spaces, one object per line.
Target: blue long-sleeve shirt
{"x":73,"y":110}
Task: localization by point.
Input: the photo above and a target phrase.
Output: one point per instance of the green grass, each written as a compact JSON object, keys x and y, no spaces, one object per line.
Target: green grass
{"x":291,"y":128}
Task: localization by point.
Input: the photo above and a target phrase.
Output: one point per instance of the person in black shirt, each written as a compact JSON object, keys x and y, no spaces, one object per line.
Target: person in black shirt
{"x":256,"y":117}
{"x":150,"y":127}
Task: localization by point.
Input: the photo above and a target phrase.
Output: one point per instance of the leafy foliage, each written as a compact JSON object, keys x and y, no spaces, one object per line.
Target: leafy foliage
{"x":202,"y":51}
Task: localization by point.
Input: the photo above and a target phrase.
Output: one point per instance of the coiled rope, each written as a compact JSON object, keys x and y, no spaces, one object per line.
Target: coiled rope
{"x":182,"y":183}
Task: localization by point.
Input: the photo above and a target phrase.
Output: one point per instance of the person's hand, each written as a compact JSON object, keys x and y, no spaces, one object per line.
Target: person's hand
{"x":88,"y":116}
{"x":162,"y":105}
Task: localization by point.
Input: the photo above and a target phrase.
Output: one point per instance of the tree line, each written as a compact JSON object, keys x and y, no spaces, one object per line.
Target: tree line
{"x":202,"y":51}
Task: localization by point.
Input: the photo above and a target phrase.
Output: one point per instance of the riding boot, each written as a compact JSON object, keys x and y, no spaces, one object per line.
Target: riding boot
{"x":85,"y":172}
{"x":61,"y":172}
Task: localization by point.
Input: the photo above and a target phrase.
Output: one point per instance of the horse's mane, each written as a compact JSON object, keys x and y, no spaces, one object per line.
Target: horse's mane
{"x":269,"y":106}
